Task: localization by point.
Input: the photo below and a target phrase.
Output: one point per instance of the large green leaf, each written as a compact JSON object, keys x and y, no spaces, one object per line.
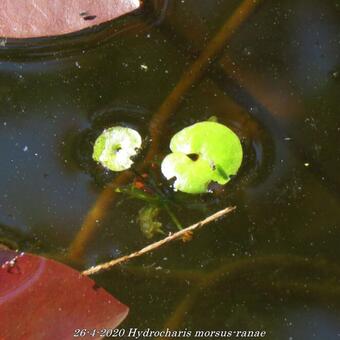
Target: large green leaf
{"x":202,"y":153}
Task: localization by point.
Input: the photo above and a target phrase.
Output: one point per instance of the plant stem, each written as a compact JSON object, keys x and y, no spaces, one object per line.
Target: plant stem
{"x":173,"y":217}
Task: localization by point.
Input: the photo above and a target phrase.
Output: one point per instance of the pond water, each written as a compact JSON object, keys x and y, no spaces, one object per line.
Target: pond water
{"x":273,"y":263}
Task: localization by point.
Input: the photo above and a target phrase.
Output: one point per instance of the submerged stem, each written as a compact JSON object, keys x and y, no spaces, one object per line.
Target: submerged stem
{"x":231,"y":273}
{"x":173,"y":217}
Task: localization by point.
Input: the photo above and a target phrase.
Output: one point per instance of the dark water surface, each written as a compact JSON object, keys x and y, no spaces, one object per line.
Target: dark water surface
{"x":276,"y":258}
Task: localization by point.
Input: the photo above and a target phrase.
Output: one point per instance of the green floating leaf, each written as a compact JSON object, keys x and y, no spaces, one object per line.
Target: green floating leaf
{"x":202,"y":153}
{"x":115,"y":147}
{"x":149,"y":225}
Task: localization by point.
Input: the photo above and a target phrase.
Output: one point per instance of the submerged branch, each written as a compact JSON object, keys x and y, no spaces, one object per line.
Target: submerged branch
{"x":195,"y":71}
{"x":172,"y":237}
{"x":95,"y":216}
{"x":264,"y":274}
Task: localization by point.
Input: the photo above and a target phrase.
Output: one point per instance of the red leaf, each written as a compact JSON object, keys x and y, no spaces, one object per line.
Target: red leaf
{"x":38,"y":18}
{"x":44,"y":299}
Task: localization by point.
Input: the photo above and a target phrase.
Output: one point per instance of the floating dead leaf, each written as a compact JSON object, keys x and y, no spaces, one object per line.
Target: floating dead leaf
{"x":41,"y":18}
{"x":43,"y":299}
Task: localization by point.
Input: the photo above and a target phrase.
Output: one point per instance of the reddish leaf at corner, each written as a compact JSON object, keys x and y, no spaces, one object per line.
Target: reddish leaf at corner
{"x":43,"y":299}
{"x":40,"y":18}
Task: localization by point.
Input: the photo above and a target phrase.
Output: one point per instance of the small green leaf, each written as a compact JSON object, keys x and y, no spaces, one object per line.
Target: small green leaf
{"x":212,"y":119}
{"x":115,"y":147}
{"x":149,"y":225}
{"x":202,"y":153}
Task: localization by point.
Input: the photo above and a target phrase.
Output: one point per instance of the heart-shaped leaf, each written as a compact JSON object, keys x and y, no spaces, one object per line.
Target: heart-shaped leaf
{"x":202,"y":153}
{"x":115,"y":147}
{"x":43,"y":299}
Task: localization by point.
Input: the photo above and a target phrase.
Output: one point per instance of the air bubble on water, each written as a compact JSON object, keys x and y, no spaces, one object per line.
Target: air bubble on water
{"x":3,"y":42}
{"x":144,"y":67}
{"x":247,"y":51}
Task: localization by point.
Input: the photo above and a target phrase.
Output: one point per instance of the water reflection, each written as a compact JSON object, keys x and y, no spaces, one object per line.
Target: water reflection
{"x":287,"y":216}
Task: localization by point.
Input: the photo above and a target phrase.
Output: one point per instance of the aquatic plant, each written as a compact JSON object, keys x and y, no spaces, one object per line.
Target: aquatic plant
{"x":148,"y":221}
{"x":202,"y":153}
{"x":145,"y":188}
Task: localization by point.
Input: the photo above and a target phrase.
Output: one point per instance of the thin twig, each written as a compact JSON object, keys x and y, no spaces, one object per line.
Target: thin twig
{"x":151,"y":247}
